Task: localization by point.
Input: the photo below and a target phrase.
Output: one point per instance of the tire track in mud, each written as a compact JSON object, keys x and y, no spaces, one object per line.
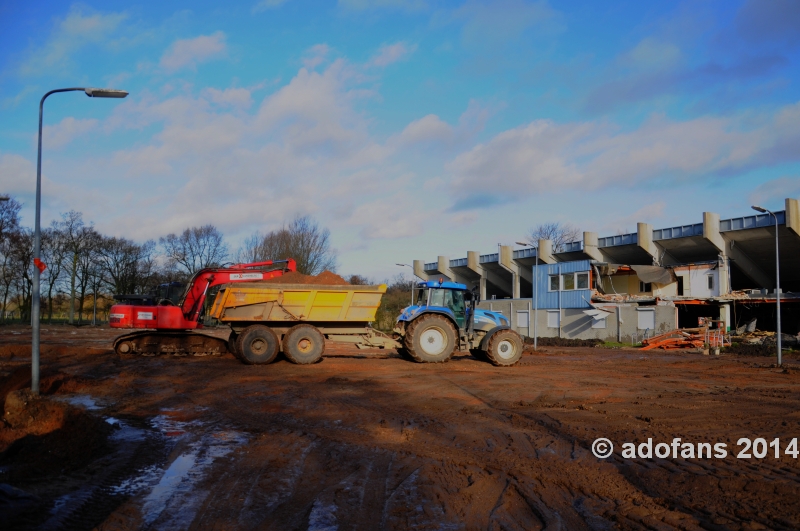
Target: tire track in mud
{"x":531,"y":466}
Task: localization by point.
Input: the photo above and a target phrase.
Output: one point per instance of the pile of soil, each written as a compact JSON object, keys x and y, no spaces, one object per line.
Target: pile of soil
{"x":751,"y":349}
{"x":46,"y":435}
{"x":563,"y":342}
{"x":326,"y":277}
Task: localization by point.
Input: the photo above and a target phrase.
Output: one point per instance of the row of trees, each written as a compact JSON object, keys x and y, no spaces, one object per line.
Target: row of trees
{"x":84,"y":265}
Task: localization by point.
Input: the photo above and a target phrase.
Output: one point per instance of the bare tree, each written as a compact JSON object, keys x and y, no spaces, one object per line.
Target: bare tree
{"x":126,"y":266}
{"x":54,"y":255}
{"x":302,"y":239}
{"x":77,"y":237}
{"x":195,"y":249}
{"x":9,"y":224}
{"x":21,"y":264}
{"x":9,"y":216}
{"x":88,"y":267}
{"x":559,"y":233}
{"x":359,"y":280}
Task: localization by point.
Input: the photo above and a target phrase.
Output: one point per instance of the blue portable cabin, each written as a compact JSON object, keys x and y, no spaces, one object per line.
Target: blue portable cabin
{"x":563,"y":284}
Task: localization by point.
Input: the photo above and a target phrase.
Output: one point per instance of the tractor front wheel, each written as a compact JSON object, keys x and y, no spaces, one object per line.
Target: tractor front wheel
{"x":504,"y":348}
{"x":430,"y":339}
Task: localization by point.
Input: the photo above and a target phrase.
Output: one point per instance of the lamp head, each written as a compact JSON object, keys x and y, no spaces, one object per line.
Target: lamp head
{"x":104,"y":93}
{"x":759,"y":209}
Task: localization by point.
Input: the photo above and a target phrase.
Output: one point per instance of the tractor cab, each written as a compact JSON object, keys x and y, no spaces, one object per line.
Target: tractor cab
{"x":455,"y":301}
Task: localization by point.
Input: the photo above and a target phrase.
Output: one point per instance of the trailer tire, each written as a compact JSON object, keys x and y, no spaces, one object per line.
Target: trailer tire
{"x":504,"y":348}
{"x":430,"y":339}
{"x":257,"y":345}
{"x":303,"y":344}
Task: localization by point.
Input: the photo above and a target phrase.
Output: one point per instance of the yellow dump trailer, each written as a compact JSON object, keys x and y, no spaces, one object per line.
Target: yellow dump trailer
{"x":297,"y":318}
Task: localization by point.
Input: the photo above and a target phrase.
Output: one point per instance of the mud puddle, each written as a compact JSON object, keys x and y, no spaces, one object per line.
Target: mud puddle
{"x":153,"y":466}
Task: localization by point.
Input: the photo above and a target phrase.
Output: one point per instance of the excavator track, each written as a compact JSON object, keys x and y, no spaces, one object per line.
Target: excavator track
{"x":169,"y":343}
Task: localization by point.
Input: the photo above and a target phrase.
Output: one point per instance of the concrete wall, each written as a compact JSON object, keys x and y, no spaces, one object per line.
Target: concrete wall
{"x":695,"y":280}
{"x":577,"y":325}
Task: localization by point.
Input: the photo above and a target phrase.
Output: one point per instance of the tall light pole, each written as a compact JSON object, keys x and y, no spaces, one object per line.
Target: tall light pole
{"x":37,"y":231}
{"x":777,"y":277}
{"x":535,"y":297}
{"x":412,"y":285}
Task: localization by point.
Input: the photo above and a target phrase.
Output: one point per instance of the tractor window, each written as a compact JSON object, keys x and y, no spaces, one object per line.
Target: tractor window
{"x":457,"y":304}
{"x":437,"y":297}
{"x":422,"y":297}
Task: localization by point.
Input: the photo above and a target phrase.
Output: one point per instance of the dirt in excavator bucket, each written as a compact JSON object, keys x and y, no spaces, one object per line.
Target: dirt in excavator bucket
{"x":326,"y":277}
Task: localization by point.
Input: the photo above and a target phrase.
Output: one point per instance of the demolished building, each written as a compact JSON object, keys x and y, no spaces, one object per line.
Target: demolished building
{"x":629,"y":286}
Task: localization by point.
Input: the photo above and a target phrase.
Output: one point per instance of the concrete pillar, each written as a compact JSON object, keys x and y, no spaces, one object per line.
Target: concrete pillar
{"x":724,"y":275}
{"x":590,"y":247}
{"x":505,"y":259}
{"x":474,"y":264}
{"x":545,"y":250}
{"x":727,"y":246}
{"x":419,"y":270}
{"x":725,"y":316}
{"x":644,"y":238}
{"x":793,"y":215}
{"x":443,"y":267}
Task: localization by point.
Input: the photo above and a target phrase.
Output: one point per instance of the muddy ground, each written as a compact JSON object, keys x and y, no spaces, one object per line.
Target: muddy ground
{"x":368,"y":440}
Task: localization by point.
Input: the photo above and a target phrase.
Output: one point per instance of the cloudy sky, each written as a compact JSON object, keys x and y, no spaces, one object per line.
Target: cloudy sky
{"x":410,"y":128}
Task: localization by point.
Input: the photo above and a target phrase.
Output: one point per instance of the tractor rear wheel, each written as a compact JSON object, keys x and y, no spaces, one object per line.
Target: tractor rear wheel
{"x":303,"y":344}
{"x":504,"y":348}
{"x":430,"y":339}
{"x":257,"y":345}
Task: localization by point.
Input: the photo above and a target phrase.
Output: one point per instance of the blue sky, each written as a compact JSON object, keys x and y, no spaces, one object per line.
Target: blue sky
{"x":409,"y":128}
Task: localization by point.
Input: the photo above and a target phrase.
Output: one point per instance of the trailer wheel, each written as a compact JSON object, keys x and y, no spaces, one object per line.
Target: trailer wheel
{"x":257,"y":345}
{"x":430,"y":339}
{"x":303,"y":344}
{"x":504,"y":348}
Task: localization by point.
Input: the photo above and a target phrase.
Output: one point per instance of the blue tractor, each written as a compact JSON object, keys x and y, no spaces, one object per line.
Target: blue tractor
{"x":444,"y":318}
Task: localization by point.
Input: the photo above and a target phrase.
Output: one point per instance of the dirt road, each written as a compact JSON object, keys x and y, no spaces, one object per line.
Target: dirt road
{"x":368,"y":440}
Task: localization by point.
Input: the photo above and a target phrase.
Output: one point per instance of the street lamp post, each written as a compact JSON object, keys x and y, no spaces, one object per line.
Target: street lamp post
{"x":37,"y":233}
{"x":535,"y":297}
{"x":777,"y":278}
{"x":412,"y":286}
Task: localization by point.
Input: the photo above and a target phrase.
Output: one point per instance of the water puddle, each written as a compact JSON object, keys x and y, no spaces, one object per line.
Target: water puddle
{"x":86,"y":402}
{"x":170,"y":496}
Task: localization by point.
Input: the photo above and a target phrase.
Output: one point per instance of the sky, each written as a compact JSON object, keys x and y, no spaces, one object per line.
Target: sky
{"x":408,"y":128}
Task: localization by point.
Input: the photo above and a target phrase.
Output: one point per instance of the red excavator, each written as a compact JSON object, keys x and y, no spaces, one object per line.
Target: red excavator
{"x":169,"y":326}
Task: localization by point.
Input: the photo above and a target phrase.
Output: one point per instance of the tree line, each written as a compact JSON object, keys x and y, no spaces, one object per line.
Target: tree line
{"x":85,"y":266}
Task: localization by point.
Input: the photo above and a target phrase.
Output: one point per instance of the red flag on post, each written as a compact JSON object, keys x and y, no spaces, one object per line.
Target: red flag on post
{"x":40,"y":265}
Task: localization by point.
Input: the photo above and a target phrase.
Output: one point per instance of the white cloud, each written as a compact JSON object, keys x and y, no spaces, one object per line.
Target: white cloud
{"x":233,"y":97}
{"x":547,"y":157}
{"x":651,"y":54}
{"x":316,"y":55}
{"x":79,"y":29}
{"x":429,"y":128}
{"x":189,"y":52}
{"x":69,"y":129}
{"x":391,"y":53}
{"x":775,"y":191}
{"x":17,"y":175}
